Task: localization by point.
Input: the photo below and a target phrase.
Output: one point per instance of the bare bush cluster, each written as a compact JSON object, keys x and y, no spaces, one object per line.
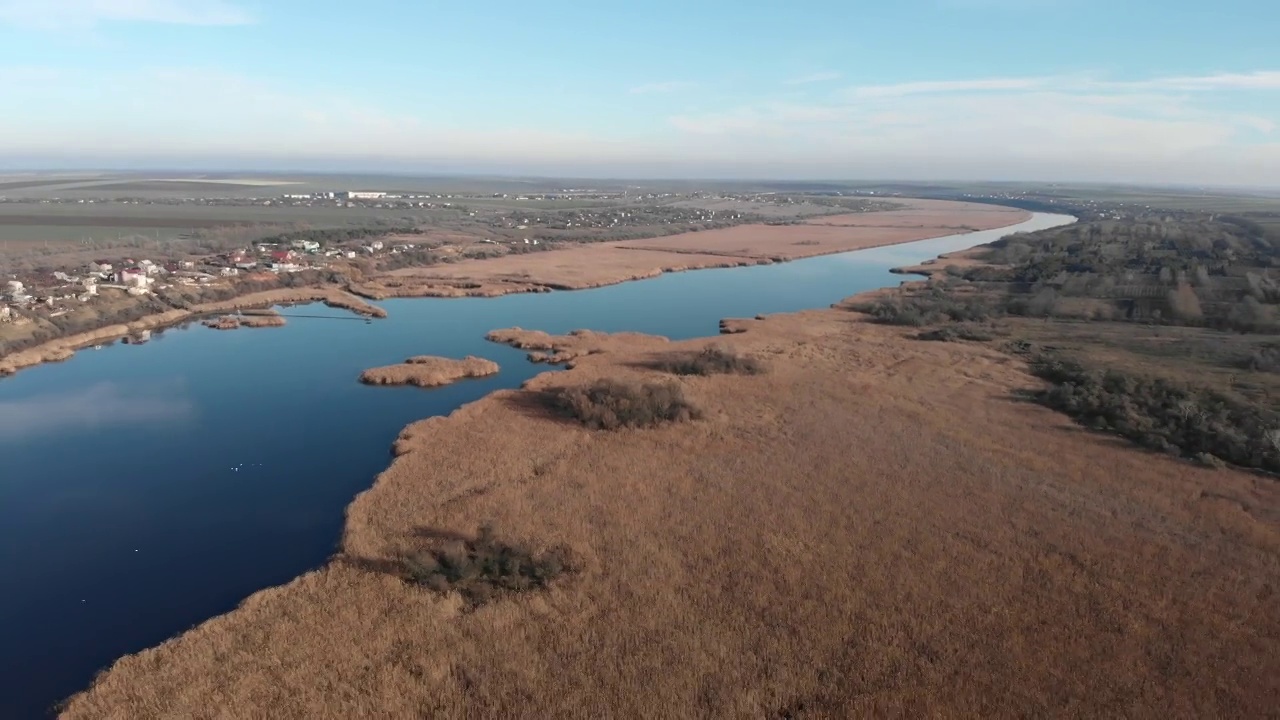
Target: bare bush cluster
{"x":711,"y":361}
{"x":929,"y":308}
{"x":613,"y":404}
{"x":485,"y":568}
{"x":1164,"y":415}
{"x":957,"y":333}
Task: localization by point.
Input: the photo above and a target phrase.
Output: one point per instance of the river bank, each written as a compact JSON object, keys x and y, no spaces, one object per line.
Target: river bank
{"x":64,"y":348}
{"x":584,"y":266}
{"x":592,"y":265}
{"x":969,"y":558}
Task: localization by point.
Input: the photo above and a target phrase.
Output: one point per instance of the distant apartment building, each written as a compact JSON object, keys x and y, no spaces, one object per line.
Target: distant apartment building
{"x":362,"y":195}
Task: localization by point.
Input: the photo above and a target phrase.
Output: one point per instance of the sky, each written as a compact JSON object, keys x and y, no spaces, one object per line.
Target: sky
{"x":1168,"y":91}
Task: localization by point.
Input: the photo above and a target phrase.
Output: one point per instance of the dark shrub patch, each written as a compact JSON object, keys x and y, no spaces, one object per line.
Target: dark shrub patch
{"x":484,"y":568}
{"x":1263,"y":359}
{"x":711,"y":361}
{"x":1164,"y":415}
{"x":956,"y":333}
{"x":611,"y":404}
{"x":929,"y":308}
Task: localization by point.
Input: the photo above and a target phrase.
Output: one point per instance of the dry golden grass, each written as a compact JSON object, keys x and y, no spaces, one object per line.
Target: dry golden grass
{"x":428,"y":371}
{"x":564,"y":349}
{"x":257,"y":319}
{"x":917,"y":220}
{"x":596,"y":264}
{"x":873,"y":528}
{"x":574,"y":268}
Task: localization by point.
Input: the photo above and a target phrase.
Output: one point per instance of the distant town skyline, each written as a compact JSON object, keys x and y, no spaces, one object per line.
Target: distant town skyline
{"x":1073,"y":90}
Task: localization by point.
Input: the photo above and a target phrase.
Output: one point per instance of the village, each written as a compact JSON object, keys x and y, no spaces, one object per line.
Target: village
{"x":54,"y":294}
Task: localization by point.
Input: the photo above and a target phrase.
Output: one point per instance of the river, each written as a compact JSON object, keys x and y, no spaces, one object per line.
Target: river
{"x":144,"y":489}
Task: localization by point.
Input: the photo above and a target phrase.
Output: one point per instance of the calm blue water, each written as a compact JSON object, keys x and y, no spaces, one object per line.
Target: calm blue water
{"x":144,"y":489}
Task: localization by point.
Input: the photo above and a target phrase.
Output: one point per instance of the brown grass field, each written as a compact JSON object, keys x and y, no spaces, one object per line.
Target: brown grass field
{"x":573,"y":268}
{"x":875,"y":527}
{"x":607,"y":263}
{"x":917,"y":220}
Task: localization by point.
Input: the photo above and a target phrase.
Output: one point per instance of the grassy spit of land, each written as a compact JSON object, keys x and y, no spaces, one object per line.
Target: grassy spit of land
{"x":428,"y":371}
{"x":831,"y":518}
{"x":592,"y":265}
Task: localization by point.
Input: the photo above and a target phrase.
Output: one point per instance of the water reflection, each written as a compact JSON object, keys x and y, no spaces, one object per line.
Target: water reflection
{"x":93,"y":407}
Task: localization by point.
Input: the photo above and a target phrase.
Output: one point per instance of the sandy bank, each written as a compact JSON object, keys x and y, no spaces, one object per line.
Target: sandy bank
{"x":876,"y":527}
{"x":65,"y":347}
{"x":591,"y":265}
{"x":427,"y":371}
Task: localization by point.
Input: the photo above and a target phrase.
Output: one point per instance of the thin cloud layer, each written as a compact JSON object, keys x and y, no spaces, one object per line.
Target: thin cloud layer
{"x":662,"y":87}
{"x":812,"y":78}
{"x":60,"y":14}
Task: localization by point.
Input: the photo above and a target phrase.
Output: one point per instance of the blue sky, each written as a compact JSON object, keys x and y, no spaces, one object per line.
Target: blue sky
{"x":1132,"y":90}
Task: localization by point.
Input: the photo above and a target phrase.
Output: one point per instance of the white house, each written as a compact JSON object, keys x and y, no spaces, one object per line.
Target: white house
{"x":6,"y":313}
{"x":135,"y":278}
{"x":376,"y":245}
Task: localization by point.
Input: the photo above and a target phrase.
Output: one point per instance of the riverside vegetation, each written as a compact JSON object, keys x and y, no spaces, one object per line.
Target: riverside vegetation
{"x":1159,"y":330}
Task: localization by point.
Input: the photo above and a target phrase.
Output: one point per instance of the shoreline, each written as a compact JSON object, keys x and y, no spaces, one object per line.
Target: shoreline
{"x":61,"y":349}
{"x":564,"y":353}
{"x":811,"y":349}
{"x":352,"y":295}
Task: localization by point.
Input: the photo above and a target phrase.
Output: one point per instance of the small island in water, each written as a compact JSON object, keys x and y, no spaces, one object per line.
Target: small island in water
{"x":429,"y":371}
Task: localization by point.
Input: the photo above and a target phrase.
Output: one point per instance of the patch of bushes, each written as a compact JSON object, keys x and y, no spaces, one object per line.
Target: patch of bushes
{"x":613,"y":404}
{"x":957,"y":333}
{"x":711,"y":361}
{"x":1263,"y":359}
{"x":484,"y":568}
{"x":930,"y":308}
{"x":1163,"y":415}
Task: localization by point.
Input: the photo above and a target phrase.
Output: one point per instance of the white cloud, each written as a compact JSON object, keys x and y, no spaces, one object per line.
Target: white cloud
{"x":1262,"y":80}
{"x":1068,"y":128}
{"x":64,"y":14}
{"x":947,"y":86}
{"x":817,"y":77}
{"x":1005,"y":127}
{"x":662,"y":87}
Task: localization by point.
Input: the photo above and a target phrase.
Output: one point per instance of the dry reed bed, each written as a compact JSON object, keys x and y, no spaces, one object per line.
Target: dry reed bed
{"x":428,"y":371}
{"x":874,"y":527}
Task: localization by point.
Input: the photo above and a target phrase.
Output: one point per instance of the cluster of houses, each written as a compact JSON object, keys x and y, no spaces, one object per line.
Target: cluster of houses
{"x":142,"y":277}
{"x":279,"y":258}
